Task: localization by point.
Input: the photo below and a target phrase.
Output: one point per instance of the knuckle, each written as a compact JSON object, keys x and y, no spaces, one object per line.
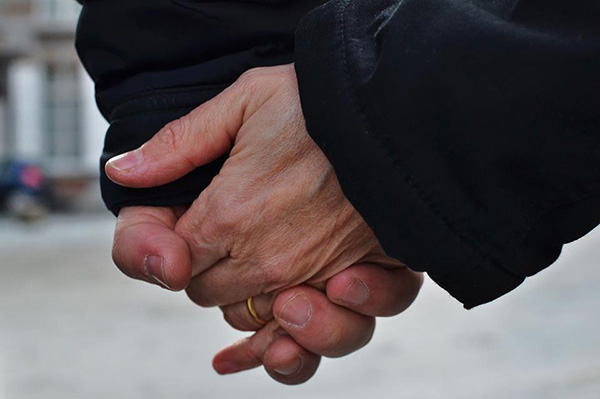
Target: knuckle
{"x":281,"y":270}
{"x":254,"y":352}
{"x":174,"y":138}
{"x":197,"y":296}
{"x":237,"y":321}
{"x":341,"y":341}
{"x":178,"y":139}
{"x":207,"y":291}
{"x":231,"y":217}
{"x":273,"y":274}
{"x":201,"y":234}
{"x":170,"y":135}
{"x":200,"y":225}
{"x":223,"y":217}
{"x":261,"y":77}
{"x":233,"y":321}
{"x":253,"y":75}
{"x":186,"y":228}
{"x":254,"y":79}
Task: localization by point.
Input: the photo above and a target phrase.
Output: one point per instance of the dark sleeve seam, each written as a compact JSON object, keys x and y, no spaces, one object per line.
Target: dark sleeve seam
{"x":154,"y":94}
{"x":121,"y":109}
{"x":152,"y":112}
{"x":409,"y":181}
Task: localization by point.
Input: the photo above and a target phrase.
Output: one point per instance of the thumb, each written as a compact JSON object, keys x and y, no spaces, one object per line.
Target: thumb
{"x":195,"y":139}
{"x":146,"y":248}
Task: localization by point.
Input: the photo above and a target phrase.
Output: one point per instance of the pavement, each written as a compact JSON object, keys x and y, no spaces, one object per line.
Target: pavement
{"x":72,"y":326}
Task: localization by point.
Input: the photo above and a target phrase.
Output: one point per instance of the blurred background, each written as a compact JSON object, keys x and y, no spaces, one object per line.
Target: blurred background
{"x":71,"y":326}
{"x":51,"y":133}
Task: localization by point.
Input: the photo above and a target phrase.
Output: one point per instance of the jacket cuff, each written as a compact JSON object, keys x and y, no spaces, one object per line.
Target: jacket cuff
{"x":133,"y":122}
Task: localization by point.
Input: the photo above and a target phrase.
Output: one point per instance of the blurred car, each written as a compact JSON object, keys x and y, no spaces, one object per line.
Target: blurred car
{"x":23,"y":189}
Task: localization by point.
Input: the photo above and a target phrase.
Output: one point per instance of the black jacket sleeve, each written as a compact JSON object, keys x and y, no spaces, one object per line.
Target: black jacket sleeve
{"x":153,"y":61}
{"x":466,"y":133}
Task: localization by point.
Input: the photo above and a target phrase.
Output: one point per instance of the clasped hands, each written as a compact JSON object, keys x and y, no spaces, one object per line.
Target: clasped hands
{"x":273,"y":225}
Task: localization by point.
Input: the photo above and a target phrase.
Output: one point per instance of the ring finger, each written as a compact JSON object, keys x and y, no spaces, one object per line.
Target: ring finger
{"x":239,"y":315}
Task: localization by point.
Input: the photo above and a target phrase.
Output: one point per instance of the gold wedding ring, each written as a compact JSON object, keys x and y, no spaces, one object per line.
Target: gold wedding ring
{"x":250,"y":306}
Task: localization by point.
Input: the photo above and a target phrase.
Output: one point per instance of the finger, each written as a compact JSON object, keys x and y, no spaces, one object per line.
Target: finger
{"x":289,"y":363}
{"x":374,"y":291}
{"x":200,"y":227}
{"x":184,"y":144}
{"x":146,"y":248}
{"x":320,"y":326}
{"x":239,"y":317}
{"x":247,"y":353}
{"x":213,"y":287}
{"x":284,"y":359}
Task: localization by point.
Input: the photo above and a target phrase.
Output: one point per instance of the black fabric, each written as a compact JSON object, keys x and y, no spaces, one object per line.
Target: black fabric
{"x":133,"y":122}
{"x":143,"y":54}
{"x":467,"y":133}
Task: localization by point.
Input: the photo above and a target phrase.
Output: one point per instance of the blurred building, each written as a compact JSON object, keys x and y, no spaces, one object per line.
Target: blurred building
{"x":47,"y":109}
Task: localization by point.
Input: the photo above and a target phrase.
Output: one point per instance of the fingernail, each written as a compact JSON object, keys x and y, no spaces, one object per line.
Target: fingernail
{"x":356,"y":294}
{"x":155,"y":269}
{"x":126,"y":162}
{"x":297,"y":311}
{"x":289,"y":369}
{"x":226,"y":368}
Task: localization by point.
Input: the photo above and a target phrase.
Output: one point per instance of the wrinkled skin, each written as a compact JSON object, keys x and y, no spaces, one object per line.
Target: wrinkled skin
{"x":274,"y":217}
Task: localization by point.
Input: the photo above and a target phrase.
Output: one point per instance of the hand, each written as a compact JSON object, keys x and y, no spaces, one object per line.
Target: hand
{"x":309,"y":323}
{"x":290,"y":354}
{"x":145,"y":246}
{"x":275,"y":215}
{"x":292,"y":193}
{"x":332,"y":329}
